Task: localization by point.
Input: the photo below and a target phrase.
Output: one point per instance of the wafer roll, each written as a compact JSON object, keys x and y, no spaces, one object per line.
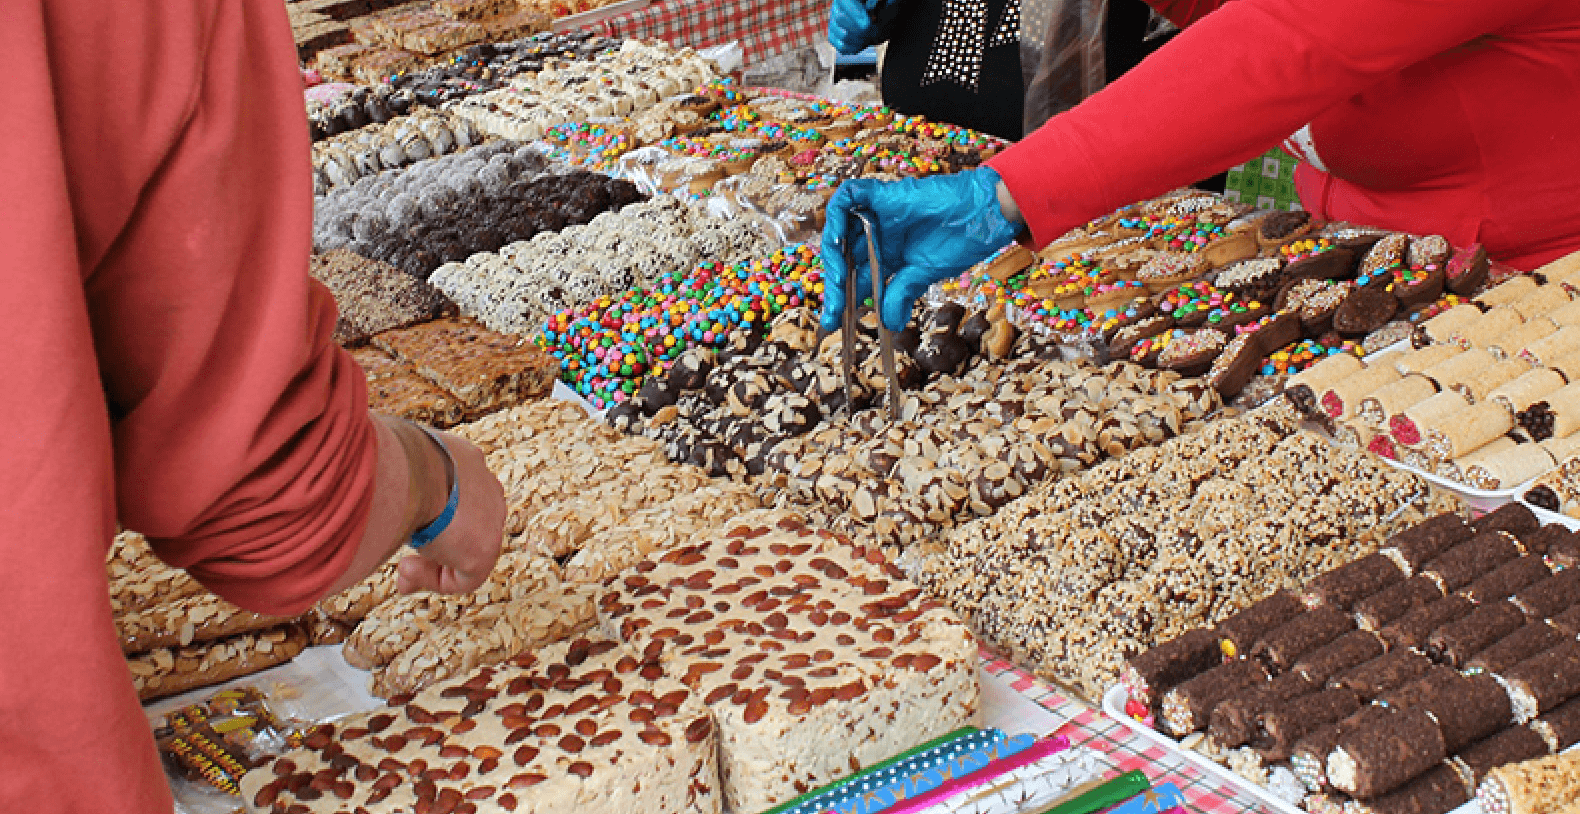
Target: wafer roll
{"x":1340,"y":655}
{"x":1514,"y":518}
{"x":1279,"y":729}
{"x":1508,"y":292}
{"x":1188,"y":707}
{"x":1493,"y":325}
{"x":1564,"y":269}
{"x":1326,"y":373}
{"x":1233,"y":722}
{"x":1394,"y":398}
{"x":1412,"y":629}
{"x":1310,"y":756}
{"x":1455,"y":469}
{"x":1509,"y":468}
{"x":1441,"y":328}
{"x":1568,"y":365}
{"x":1349,"y":583}
{"x":1499,"y":374}
{"x":1544,"y":300}
{"x":1460,"y":565}
{"x":1422,"y":690}
{"x":1466,"y":430}
{"x":1551,"y":596}
{"x":1554,"y":346}
{"x":1460,"y":367}
{"x":1544,"y":681}
{"x":1343,"y":398}
{"x":1521,"y":337}
{"x":1512,"y":745}
{"x":1532,"y":386}
{"x":1155,"y":671}
{"x":1280,"y":648}
{"x":1409,"y":427}
{"x":1384,"y":673}
{"x":1539,"y":786}
{"x":1567,"y":622}
{"x":1563,"y":448}
{"x":1526,"y":642}
{"x":1566,"y":314}
{"x":1239,"y":632}
{"x":1382,"y":757}
{"x":1435,"y":791}
{"x":1419,"y":359}
{"x":1469,"y":708}
{"x":1542,"y":539}
{"x":1414,"y":546}
{"x":1378,"y":610}
{"x":1502,"y":582}
{"x":1561,"y":726}
{"x":1456,"y":642}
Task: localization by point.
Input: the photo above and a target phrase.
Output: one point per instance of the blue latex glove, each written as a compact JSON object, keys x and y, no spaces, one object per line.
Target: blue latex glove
{"x":850,"y":25}
{"x":929,"y":229}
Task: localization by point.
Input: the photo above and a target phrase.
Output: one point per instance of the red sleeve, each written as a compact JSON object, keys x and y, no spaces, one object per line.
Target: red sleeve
{"x":1223,"y":91}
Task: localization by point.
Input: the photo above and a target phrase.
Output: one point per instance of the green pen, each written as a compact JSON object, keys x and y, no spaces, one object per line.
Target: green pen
{"x":1117,"y":790}
{"x":845,"y":781}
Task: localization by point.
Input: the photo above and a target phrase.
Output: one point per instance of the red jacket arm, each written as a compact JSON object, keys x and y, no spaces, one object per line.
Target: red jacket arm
{"x":243,"y":447}
{"x":1223,"y":91}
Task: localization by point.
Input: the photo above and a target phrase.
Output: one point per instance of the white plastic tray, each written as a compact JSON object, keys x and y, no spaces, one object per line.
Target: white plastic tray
{"x":597,"y":15}
{"x":1551,"y":517}
{"x":1479,"y":499}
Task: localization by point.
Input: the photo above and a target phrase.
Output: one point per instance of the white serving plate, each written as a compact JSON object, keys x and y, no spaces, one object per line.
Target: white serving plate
{"x":597,"y":15}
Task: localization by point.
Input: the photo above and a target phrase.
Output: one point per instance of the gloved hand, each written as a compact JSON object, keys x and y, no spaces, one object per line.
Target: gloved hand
{"x":929,"y":229}
{"x":851,"y":27}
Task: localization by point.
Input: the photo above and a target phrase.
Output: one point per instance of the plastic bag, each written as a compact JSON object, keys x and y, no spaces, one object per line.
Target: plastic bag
{"x":1062,"y":55}
{"x":207,"y":747}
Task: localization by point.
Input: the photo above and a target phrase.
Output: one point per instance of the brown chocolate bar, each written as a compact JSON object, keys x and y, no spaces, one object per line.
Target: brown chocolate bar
{"x":1350,"y":650}
{"x":1157,"y":670}
{"x":1507,"y":578}
{"x":1413,"y":628}
{"x":1279,"y":729}
{"x":1551,"y":596}
{"x":1544,"y":681}
{"x":1189,"y":706}
{"x":1512,"y":745}
{"x":1282,"y":647}
{"x":1384,"y":673}
{"x":1233,"y":722}
{"x":1237,"y":633}
{"x":1456,"y":642}
{"x":1377,"y":610}
{"x":1384,"y":756}
{"x":1514,"y":518}
{"x":1435,"y":791}
{"x":1462,"y":564}
{"x":1529,"y":640}
{"x":1427,"y":539}
{"x":1344,"y":586}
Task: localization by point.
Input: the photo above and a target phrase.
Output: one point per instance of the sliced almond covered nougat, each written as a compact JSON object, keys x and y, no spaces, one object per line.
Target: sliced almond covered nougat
{"x":580,"y":727}
{"x":816,"y":657}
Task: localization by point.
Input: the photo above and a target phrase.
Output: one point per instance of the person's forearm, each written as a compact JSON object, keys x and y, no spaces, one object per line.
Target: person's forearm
{"x":409,"y":489}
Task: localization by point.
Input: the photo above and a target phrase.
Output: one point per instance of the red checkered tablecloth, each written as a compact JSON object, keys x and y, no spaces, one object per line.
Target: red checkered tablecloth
{"x":764,"y":28}
{"x":1204,"y":793}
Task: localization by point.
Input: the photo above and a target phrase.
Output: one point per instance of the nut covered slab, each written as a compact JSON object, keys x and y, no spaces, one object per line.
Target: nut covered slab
{"x":815,"y":656}
{"x":583,"y":726}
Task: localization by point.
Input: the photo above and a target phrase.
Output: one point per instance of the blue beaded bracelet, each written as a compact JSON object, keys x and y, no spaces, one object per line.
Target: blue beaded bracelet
{"x":426,"y":534}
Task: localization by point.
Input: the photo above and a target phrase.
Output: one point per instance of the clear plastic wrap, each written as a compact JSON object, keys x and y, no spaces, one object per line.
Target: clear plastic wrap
{"x":1062,"y":55}
{"x":209,"y":745}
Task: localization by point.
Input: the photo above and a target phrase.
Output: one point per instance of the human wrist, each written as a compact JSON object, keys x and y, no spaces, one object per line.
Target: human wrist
{"x":428,"y":479}
{"x":1007,"y":206}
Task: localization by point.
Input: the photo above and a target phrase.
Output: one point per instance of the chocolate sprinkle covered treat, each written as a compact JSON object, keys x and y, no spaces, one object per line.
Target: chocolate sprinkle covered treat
{"x":557,"y":730}
{"x":1279,"y":649}
{"x":1413,"y":628}
{"x":1340,"y":655}
{"x":1512,"y":745}
{"x":1398,"y":599}
{"x":1159,"y":669}
{"x":816,"y":657}
{"x":1234,"y":722}
{"x":1238,"y":633}
{"x":1309,"y":757}
{"x":1469,"y":708}
{"x":1279,"y":729}
{"x":1384,"y":756}
{"x":1561,"y":726}
{"x":1188,"y":707}
{"x":1460,"y":565}
{"x":1350,"y":583}
{"x":1414,"y":546}
{"x":1508,"y":578}
{"x":1434,"y":791}
{"x":1456,"y":642}
{"x":1527,"y":642}
{"x":1544,"y":681}
{"x":1514,"y":518}
{"x":1385,"y":673}
{"x":1551,"y":596}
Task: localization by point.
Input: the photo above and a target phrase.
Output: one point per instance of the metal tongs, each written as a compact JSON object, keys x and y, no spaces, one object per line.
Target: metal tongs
{"x":847,"y":355}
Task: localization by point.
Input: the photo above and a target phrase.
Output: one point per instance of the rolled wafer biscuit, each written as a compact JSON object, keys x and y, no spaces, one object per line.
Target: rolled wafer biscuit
{"x":1568,"y":365}
{"x":1544,"y":300}
{"x":1461,"y":367}
{"x":1541,"y":539}
{"x":1539,"y":786}
{"x":1564,"y":269}
{"x":1233,"y":722}
{"x":1566,"y":314}
{"x":1508,"y":292}
{"x":1188,"y":707}
{"x":1349,"y":583}
{"x":1455,"y":469}
{"x":1408,"y":429}
{"x":1530,"y":387}
{"x":1395,"y":397}
{"x":1533,"y":330}
{"x":1419,"y":359}
{"x":1514,"y":518}
{"x":1470,"y":708}
{"x":1437,"y":790}
{"x":1502,"y":582}
{"x":1471,"y":428}
{"x":1563,"y":448}
{"x":1326,"y":373}
{"x":1384,"y":756}
{"x":1526,"y":642}
{"x":1414,"y":546}
{"x":1343,"y":398}
{"x":1239,"y":632}
{"x":1378,"y":610}
{"x":1279,"y":729}
{"x":1340,"y":655}
{"x":1383,"y":674}
{"x":1310,"y":756}
{"x":1509,"y":468}
{"x":1413,"y":628}
{"x":1567,"y":622}
{"x":1554,"y":346}
{"x":1423,"y":689}
{"x":1492,"y":326}
{"x":1458,"y":641}
{"x":1280,"y":648}
{"x":1544,"y":681}
{"x":1512,"y":745}
{"x":1563,"y":407}
{"x":1155,"y":671}
{"x":1551,"y":596}
{"x":1462,"y":564}
{"x":1443,"y":326}
{"x":1561,"y":726}
{"x":1494,"y":377}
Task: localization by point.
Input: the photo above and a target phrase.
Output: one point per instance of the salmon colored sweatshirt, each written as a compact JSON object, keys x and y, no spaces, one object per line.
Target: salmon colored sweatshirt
{"x":1456,"y":117}
{"x":166,"y":362}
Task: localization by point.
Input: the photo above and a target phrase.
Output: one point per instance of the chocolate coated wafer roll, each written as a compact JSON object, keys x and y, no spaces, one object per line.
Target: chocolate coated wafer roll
{"x":1155,"y":671}
{"x":1564,"y":551}
{"x":1567,"y":622}
{"x":1412,"y":629}
{"x":1233,"y":722}
{"x":1543,"y":539}
{"x":1539,"y":786}
{"x":1338,"y":656}
{"x":1514,"y":518}
{"x":1435,"y":791}
{"x":1560,"y":727}
{"x":1544,"y":681}
{"x":1278,"y":729}
{"x":1528,"y":641}
{"x":1309,"y":758}
{"x":1282,"y":647}
{"x":1468,"y":709}
{"x":1427,"y":539}
{"x":1551,"y":596}
{"x":1377,"y":610}
{"x":1382,"y":757}
{"x":1384,"y":673}
{"x":1420,"y":691}
{"x":1349,"y":583}
{"x":1460,"y":565}
{"x":1456,"y":642}
{"x":1508,"y":578}
{"x":1512,"y":745}
{"x":1189,"y":706}
{"x":1237,"y":633}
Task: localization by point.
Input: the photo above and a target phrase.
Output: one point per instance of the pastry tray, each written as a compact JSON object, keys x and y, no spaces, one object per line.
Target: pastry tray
{"x":1482,"y":500}
{"x":1546,"y":516}
{"x":586,"y":18}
